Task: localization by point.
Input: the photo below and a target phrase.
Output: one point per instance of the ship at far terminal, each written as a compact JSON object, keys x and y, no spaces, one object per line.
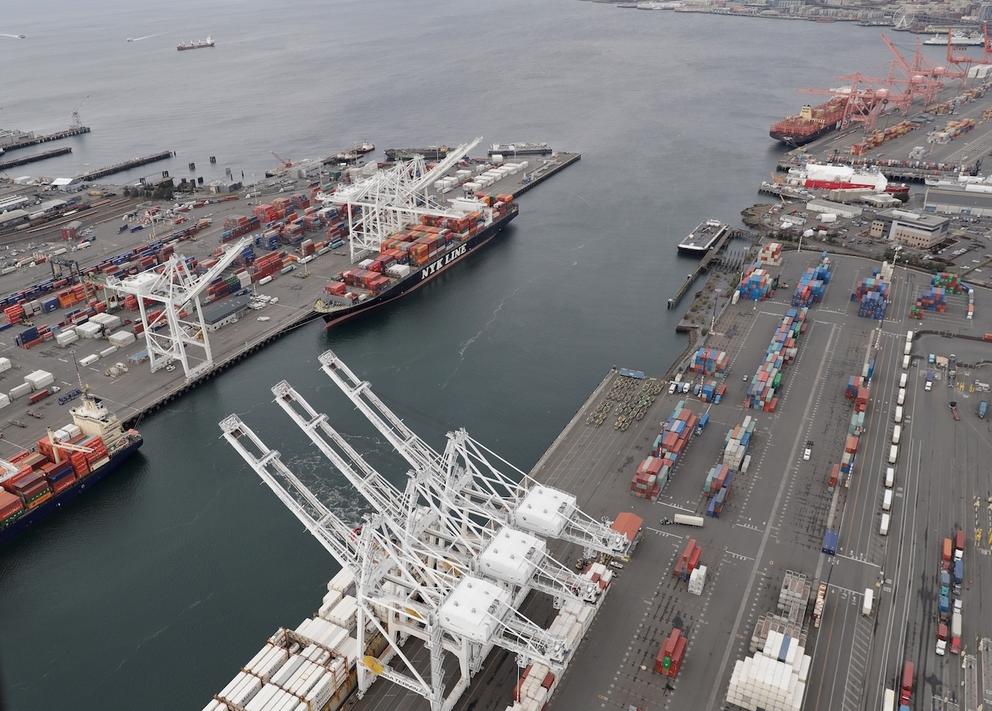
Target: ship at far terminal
{"x":698,"y":242}
{"x":520,"y":149}
{"x":810,"y":123}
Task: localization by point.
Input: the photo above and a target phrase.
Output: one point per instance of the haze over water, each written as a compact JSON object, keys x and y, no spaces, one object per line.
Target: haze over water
{"x":155,"y":588}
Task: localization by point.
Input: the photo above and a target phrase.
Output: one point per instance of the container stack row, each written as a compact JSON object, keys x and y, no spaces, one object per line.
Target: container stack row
{"x":933,"y":299}
{"x":771,"y":254}
{"x":756,"y":284}
{"x":537,"y":683}
{"x":670,"y":654}
{"x":670,"y":444}
{"x":812,"y":285}
{"x":707,"y":361}
{"x":951,"y":283}
{"x":710,"y":391}
{"x":872,"y":296}
{"x":688,"y":560}
{"x":774,"y":679}
{"x":717,"y":488}
{"x":761,"y":393}
{"x":736,"y":443}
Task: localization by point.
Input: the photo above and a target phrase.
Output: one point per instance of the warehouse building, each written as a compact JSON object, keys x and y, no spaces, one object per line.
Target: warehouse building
{"x":959,"y":200}
{"x":12,"y":218}
{"x":225,"y":312}
{"x":827,"y":207}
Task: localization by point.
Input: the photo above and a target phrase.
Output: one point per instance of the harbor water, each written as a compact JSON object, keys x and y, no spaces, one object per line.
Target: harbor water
{"x":154,"y":588}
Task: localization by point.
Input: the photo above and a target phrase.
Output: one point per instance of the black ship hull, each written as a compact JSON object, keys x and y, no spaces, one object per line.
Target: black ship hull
{"x":64,"y":497}
{"x":795,"y":141}
{"x":417,"y":279}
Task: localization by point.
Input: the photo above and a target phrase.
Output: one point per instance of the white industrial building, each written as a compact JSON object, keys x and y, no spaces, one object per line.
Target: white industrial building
{"x":959,"y":199}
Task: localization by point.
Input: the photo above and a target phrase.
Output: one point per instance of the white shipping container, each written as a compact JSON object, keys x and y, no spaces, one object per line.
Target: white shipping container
{"x":4,"y":400}
{"x":344,"y":613}
{"x":90,"y":329}
{"x":343,"y":582}
{"x":108,"y":351}
{"x":121,"y":338}
{"x":4,"y":364}
{"x":242,"y":688}
{"x":66,"y":338}
{"x":348,"y":648}
{"x":264,"y":280}
{"x":89,"y":360}
{"x":398,"y":270}
{"x":39,"y":379}
{"x":20,"y":391}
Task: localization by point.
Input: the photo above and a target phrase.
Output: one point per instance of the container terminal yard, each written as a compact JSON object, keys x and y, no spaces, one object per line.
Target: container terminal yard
{"x":83,"y":318}
{"x":814,"y":512}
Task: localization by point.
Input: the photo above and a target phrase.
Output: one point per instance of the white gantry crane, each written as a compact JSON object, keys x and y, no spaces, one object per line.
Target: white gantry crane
{"x":511,"y":556}
{"x":391,"y":199}
{"x":177,"y":290}
{"x":466,"y":476}
{"x":406,"y":589}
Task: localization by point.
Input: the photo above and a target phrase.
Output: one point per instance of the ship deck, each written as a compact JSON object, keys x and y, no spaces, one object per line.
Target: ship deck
{"x":703,"y":237}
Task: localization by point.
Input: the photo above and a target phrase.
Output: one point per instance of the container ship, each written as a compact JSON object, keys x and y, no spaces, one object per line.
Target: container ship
{"x":64,"y":464}
{"x":698,"y":242}
{"x":520,"y":149}
{"x":815,"y":176}
{"x":195,"y":44}
{"x":429,"y":153}
{"x":810,"y":123}
{"x":351,"y":155}
{"x":412,"y":257}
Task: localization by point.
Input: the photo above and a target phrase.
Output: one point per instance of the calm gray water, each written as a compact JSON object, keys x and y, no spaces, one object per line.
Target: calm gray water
{"x":155,"y":588}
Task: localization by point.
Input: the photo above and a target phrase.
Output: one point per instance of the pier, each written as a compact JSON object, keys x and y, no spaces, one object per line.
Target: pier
{"x":34,"y":158}
{"x":126,"y":165}
{"x":137,"y":393}
{"x":47,"y":138}
{"x":704,"y":266}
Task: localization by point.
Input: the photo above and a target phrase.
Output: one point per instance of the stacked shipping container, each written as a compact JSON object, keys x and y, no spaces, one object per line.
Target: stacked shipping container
{"x":670,"y":444}
{"x":762,"y":391}
{"x":756,"y":283}
{"x":707,"y":361}
{"x":872,"y":296}
{"x":774,"y":679}
{"x":812,"y":284}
